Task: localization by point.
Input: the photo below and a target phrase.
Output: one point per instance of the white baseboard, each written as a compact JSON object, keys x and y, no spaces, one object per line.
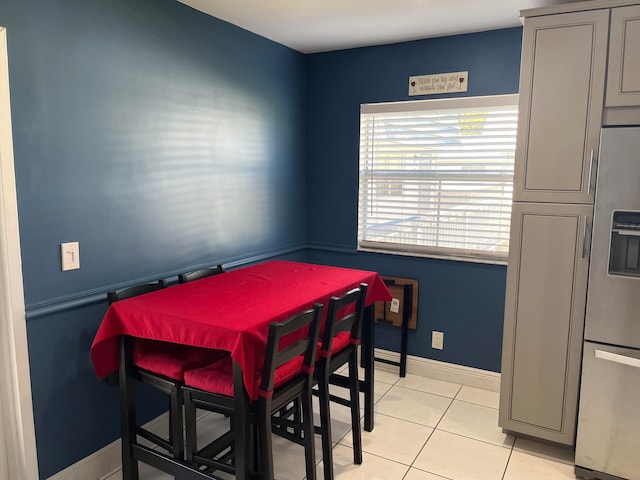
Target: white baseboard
{"x":448,"y":372}
{"x":107,"y":461}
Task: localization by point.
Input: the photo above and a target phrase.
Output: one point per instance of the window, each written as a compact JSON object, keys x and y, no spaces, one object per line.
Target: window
{"x":436,"y":177}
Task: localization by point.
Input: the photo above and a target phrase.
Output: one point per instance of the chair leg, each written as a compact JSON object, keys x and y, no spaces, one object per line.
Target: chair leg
{"x":297,"y":417}
{"x":191,"y":445}
{"x":354,"y":392}
{"x":258,"y":455}
{"x":264,"y":438}
{"x":127,"y":409}
{"x":325,"y":427}
{"x":175,"y":424}
{"x":309,"y":437}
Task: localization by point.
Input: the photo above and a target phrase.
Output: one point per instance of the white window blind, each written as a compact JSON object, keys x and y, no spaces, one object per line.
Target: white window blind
{"x":436,"y":177}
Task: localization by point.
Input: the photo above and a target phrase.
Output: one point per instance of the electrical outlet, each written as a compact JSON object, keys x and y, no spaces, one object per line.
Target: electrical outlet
{"x":437,"y":340}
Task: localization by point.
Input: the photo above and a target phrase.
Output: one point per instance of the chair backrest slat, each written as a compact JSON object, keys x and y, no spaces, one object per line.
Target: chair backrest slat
{"x":201,"y":273}
{"x":135,"y":291}
{"x":292,"y":351}
{"x":351,"y":307}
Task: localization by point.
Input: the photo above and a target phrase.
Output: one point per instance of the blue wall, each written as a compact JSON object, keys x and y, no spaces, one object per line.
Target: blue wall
{"x":159,"y":138}
{"x":463,"y":300}
{"x":163,"y":140}
{"x":145,"y":130}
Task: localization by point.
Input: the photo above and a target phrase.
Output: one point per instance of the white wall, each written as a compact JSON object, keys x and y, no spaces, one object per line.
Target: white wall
{"x":18,"y":459}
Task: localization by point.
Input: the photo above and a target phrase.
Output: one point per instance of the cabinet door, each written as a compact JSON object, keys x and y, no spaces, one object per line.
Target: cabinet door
{"x":623,"y":81}
{"x":560,"y":106}
{"x":544,"y":319}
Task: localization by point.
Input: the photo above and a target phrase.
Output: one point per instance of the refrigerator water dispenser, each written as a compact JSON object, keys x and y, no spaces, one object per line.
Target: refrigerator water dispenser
{"x":624,"y":255}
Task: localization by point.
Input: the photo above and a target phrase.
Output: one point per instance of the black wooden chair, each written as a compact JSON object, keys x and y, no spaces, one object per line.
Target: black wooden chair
{"x":114,"y":296}
{"x":202,"y":273}
{"x":162,"y":365}
{"x":286,"y":376}
{"x":136,"y":290}
{"x":339,"y":346}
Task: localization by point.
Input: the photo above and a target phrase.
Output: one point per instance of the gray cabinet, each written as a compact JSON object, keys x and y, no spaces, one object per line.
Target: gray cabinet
{"x":562,"y":83}
{"x":544,"y":318}
{"x":562,"y":87}
{"x":569,"y":53}
{"x":623,"y":81}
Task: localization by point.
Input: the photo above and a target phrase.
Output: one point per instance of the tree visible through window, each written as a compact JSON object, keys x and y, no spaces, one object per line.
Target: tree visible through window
{"x":436,"y":177}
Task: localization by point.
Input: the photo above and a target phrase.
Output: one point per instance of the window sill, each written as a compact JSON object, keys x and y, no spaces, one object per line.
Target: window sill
{"x":455,"y":258}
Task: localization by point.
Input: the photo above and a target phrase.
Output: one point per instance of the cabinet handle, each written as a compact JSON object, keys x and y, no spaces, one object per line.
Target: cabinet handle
{"x":584,"y":237}
{"x":590,"y":173}
{"x":614,"y":357}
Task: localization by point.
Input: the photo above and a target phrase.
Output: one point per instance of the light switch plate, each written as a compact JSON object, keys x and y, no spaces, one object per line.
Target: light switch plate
{"x":437,"y":340}
{"x":70,"y":255}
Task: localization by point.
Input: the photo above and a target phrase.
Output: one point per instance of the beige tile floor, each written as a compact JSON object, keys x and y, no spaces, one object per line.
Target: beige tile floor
{"x":425,"y":429}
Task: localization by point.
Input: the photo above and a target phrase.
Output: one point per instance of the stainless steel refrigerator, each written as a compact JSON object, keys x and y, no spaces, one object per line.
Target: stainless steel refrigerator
{"x":608,"y":435}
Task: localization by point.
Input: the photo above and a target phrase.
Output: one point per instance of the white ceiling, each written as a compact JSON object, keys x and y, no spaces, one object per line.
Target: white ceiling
{"x":311,"y":26}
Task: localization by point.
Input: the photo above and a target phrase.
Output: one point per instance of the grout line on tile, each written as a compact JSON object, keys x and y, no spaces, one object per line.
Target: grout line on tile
{"x":383,"y":395}
{"x":420,"y":451}
{"x":422,"y":391}
{"x":476,"y":439}
{"x":408,"y":421}
{"x":475,"y":403}
{"x":443,"y":414}
{"x":433,"y":429}
{"x":507,"y":464}
{"x":430,"y":473}
{"x":384,"y":458}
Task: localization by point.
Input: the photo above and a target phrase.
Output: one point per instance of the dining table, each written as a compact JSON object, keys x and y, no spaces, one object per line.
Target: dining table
{"x":229,"y":312}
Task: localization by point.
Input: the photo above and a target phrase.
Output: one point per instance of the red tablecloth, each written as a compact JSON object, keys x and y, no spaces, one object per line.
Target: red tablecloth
{"x":229,"y":312}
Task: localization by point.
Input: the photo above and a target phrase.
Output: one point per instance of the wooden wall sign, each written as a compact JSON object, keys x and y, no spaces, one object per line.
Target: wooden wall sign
{"x":453,"y":82}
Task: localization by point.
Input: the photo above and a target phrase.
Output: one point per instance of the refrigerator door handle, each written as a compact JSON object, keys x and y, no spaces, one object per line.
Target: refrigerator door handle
{"x":584,"y":237}
{"x":633,"y":233}
{"x":614,"y":357}
{"x":590,"y":173}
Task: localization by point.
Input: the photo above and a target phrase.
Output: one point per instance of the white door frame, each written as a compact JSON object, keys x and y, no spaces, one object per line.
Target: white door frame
{"x":17,"y":434}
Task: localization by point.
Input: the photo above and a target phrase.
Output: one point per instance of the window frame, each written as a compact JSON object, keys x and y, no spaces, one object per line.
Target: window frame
{"x":425,"y":105}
